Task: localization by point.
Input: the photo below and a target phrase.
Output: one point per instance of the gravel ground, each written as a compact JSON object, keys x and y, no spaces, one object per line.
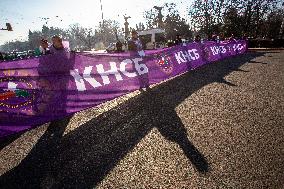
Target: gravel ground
{"x":220,"y":126}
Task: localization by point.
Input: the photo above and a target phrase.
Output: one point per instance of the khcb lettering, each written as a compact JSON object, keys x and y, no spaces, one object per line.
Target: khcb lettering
{"x":140,"y":69}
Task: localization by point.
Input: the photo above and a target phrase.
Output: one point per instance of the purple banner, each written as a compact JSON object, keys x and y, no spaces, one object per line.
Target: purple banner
{"x":38,"y":90}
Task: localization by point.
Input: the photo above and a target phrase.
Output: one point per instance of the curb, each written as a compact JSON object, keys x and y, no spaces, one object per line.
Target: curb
{"x":264,"y":49}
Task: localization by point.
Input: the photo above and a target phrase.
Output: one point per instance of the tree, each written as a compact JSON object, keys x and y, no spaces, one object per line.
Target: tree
{"x":233,"y":16}
{"x":14,"y":46}
{"x":106,"y":32}
{"x":202,"y":14}
{"x":81,"y":38}
{"x":140,"y":27}
{"x":255,"y":13}
{"x":232,"y":23}
{"x":48,"y":33}
{"x":173,"y":23}
{"x":150,"y":16}
{"x":33,"y":39}
{"x":272,"y":25}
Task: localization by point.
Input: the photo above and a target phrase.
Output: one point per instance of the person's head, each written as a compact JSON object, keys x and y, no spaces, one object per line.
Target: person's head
{"x":197,"y":38}
{"x":1,"y":56}
{"x":214,"y":37}
{"x":222,"y":36}
{"x":57,"y":42}
{"x":134,"y":34}
{"x":118,"y":46}
{"x":44,"y":43}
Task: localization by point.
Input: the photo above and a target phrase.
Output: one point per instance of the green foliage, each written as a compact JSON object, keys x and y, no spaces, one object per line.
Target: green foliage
{"x":79,"y":38}
{"x":238,"y":17}
{"x":253,"y":18}
{"x":173,"y":23}
{"x":202,"y":14}
{"x":14,"y":45}
{"x":106,"y":32}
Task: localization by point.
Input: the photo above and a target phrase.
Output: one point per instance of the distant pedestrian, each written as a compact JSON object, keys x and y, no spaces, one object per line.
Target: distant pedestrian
{"x":178,"y":40}
{"x":1,"y":57}
{"x":119,"y":46}
{"x":57,"y":45}
{"x":245,"y":37}
{"x":232,"y":38}
{"x":44,"y":47}
{"x":214,"y":38}
{"x":222,"y":37}
{"x":134,"y":44}
{"x":197,"y":39}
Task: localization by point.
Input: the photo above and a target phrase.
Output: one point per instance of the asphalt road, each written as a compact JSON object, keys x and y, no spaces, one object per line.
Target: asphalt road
{"x":220,"y":126}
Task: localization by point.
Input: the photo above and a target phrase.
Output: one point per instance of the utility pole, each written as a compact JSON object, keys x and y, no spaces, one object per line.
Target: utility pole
{"x":102,"y":12}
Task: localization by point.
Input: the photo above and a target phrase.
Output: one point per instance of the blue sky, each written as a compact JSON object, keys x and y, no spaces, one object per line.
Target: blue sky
{"x":28,"y":14}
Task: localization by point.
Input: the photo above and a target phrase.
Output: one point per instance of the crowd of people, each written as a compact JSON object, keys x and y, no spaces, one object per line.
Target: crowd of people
{"x":133,"y":45}
{"x":57,"y":46}
{"x":198,"y":39}
{"x":215,"y":38}
{"x":44,"y":48}
{"x":15,"y":55}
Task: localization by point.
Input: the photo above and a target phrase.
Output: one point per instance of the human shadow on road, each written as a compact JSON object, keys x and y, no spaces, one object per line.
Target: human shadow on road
{"x":83,"y":157}
{"x":167,"y":121}
{"x":49,"y":99}
{"x":8,"y":140}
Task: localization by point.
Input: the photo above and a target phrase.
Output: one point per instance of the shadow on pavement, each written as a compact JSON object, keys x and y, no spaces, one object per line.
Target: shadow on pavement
{"x":8,"y":140}
{"x":256,"y":62}
{"x":83,"y":157}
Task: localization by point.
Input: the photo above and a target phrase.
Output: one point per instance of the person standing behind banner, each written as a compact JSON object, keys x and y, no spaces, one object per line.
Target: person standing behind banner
{"x":214,"y":38}
{"x":232,"y":38}
{"x":135,"y":45}
{"x":178,"y":40}
{"x":197,"y":39}
{"x":53,"y":79}
{"x":118,"y":46}
{"x":1,"y":57}
{"x":57,"y":45}
{"x":44,"y":47}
